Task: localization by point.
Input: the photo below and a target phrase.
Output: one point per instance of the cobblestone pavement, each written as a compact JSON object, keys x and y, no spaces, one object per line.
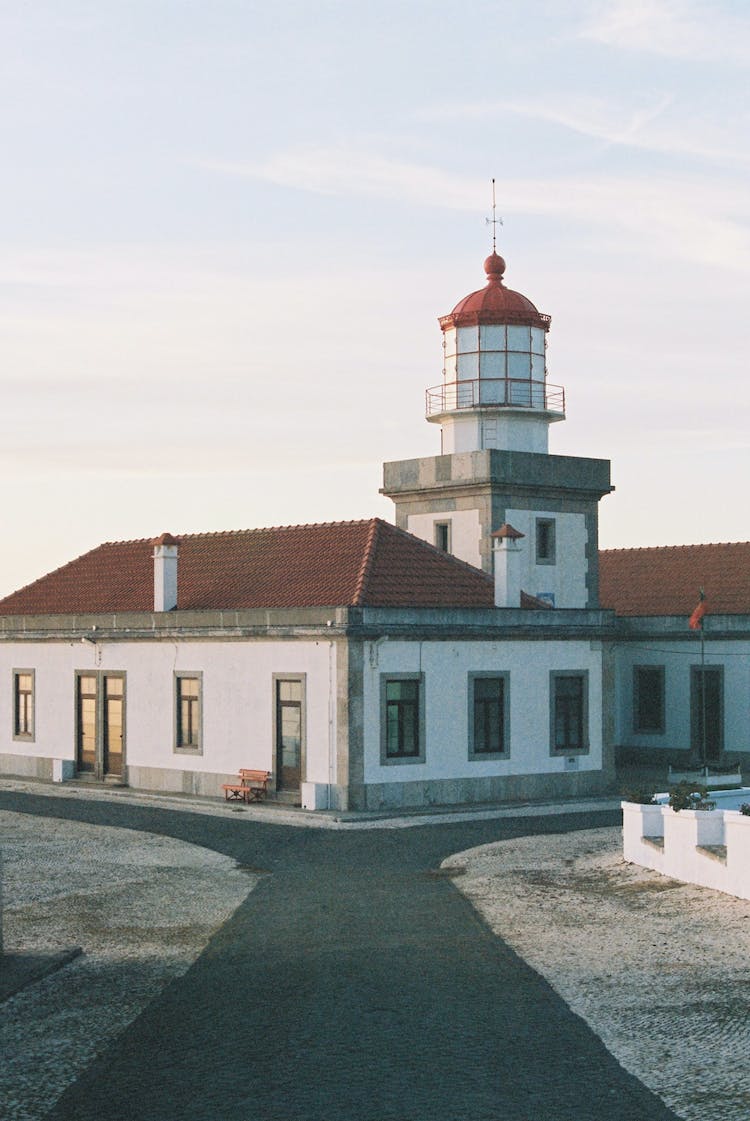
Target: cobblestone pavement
{"x":354,"y":984}
{"x":659,"y":969}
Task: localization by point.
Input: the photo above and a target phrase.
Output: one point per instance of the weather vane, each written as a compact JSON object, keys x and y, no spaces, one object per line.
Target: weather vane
{"x":494,"y":221}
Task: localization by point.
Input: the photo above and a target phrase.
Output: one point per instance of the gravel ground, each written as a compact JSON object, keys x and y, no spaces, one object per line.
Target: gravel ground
{"x":660,"y":970}
{"x":141,"y":907}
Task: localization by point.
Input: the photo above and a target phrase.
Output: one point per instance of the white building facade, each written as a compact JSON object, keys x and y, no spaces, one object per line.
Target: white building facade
{"x":460,"y":656}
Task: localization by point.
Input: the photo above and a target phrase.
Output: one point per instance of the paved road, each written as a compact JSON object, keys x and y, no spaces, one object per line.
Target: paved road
{"x":354,"y":984}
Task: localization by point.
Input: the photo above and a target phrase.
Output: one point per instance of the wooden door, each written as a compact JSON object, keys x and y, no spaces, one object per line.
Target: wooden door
{"x":707,"y":712}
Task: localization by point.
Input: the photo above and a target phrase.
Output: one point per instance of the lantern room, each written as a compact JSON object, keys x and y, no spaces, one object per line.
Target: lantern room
{"x":495,"y":392}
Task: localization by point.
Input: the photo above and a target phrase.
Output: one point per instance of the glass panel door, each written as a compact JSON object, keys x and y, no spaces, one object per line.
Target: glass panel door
{"x":86,"y":746}
{"x":100,"y":724}
{"x":289,"y":734}
{"x":113,"y":725}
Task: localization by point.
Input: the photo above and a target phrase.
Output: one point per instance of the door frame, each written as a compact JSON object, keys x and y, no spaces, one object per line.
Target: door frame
{"x":695,"y":710}
{"x":301,"y":679}
{"x":98,"y":774}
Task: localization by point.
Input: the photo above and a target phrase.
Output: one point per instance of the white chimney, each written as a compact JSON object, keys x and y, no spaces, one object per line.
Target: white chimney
{"x":165,"y":572}
{"x":507,"y":556}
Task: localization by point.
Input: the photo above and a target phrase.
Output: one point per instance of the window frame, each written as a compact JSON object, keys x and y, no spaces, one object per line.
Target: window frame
{"x":437,"y":529}
{"x":27,"y":736}
{"x":584,"y":746}
{"x":548,"y":525}
{"x":400,"y":760}
{"x":178,"y":747}
{"x":639,"y":728}
{"x":488,"y":675}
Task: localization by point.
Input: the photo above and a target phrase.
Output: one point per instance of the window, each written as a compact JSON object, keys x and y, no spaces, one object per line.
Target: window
{"x":648,"y":698}
{"x":568,"y":712}
{"x":545,"y":541}
{"x":188,"y":688}
{"x":402,"y":718}
{"x":23,"y":704}
{"x":443,"y":536}
{"x":488,"y":716}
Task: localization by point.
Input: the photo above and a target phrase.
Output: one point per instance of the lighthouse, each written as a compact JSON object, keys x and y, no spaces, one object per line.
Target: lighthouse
{"x":494,"y":407}
{"x":495,"y":392}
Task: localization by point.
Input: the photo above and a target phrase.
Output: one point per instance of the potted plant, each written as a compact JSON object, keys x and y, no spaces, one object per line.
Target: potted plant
{"x":689,"y":796}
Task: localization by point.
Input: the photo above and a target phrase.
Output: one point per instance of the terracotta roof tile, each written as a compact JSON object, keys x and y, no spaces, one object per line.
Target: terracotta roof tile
{"x":366,"y":563}
{"x":666,"y":580}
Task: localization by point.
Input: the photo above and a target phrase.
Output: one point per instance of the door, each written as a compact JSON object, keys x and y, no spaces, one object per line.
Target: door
{"x":289,"y":732}
{"x":113,"y":730}
{"x":100,"y":724}
{"x":707,"y":712}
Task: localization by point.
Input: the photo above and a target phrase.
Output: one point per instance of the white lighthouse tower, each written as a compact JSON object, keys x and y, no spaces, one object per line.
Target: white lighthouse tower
{"x":494,"y":407}
{"x":495,"y":392}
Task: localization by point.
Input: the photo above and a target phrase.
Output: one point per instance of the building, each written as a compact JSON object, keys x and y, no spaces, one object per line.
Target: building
{"x":462,"y":655}
{"x":662,"y":666}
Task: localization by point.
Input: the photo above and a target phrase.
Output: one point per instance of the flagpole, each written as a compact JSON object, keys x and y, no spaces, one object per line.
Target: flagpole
{"x":704,"y":761}
{"x":696,"y":623}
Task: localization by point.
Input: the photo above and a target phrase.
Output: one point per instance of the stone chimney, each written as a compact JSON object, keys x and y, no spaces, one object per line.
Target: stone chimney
{"x":166,"y":552}
{"x":507,"y":557}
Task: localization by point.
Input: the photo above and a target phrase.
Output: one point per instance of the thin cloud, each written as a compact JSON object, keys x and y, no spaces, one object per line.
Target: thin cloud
{"x":642,"y":128}
{"x":337,"y":171}
{"x":672,"y":28}
{"x":696,"y":219}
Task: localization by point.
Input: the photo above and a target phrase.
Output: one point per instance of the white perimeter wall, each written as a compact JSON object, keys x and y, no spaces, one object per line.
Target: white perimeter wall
{"x":677,"y":658}
{"x":446,"y":666}
{"x":237,"y":700}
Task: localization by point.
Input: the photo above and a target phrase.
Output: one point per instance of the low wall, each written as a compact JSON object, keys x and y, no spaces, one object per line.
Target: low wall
{"x":706,"y":847}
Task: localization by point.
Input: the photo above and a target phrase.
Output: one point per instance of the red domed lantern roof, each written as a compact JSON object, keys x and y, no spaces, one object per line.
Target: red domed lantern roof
{"x":495,"y":303}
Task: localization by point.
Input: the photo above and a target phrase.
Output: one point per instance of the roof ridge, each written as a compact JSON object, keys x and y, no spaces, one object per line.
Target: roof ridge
{"x":240,"y":532}
{"x":368,"y":562}
{"x":663,"y":548}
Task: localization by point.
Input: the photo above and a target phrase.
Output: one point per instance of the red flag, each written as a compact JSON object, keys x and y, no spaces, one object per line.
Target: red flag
{"x":696,"y":619}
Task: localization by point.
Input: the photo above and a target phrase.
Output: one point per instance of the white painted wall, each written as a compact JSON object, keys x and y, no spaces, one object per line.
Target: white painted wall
{"x":685,"y":835}
{"x":465,"y":532}
{"x":518,"y":432}
{"x":566,"y":579}
{"x":446,"y":666}
{"x":677,"y":658}
{"x":237,"y":701}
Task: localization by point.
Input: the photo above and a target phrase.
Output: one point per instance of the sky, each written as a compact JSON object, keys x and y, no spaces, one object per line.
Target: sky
{"x":228,"y":231}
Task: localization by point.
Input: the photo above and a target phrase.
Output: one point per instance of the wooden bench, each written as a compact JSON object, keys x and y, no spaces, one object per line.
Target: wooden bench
{"x":251,"y":787}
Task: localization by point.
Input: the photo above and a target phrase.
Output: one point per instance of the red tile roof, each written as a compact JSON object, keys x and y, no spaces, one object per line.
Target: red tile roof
{"x":336,"y":564}
{"x":666,"y":580}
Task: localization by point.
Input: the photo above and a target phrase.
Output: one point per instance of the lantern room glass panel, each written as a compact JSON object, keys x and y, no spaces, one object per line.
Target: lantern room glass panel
{"x":537,"y":340}
{"x":519,"y":338}
{"x":468,"y":367}
{"x":492,"y":336}
{"x":519,"y":366}
{"x":492,"y":391}
{"x":468,"y":339}
{"x":492,"y":364}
